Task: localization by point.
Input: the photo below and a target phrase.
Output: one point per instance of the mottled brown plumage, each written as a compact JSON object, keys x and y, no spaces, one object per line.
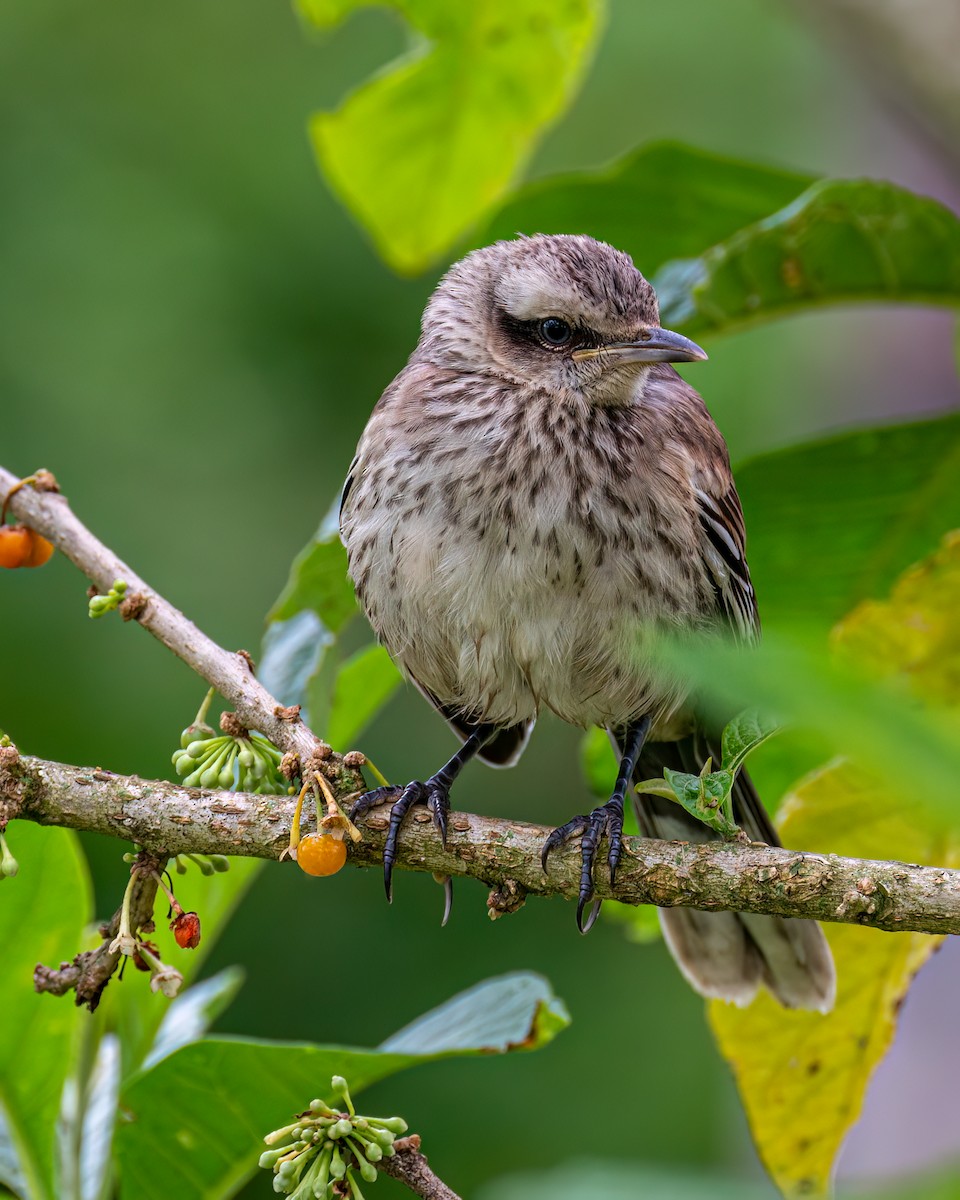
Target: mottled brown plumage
{"x":537,"y":495}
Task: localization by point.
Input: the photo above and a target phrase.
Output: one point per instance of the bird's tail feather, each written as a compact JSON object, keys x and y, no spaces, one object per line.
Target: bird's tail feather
{"x":722,"y":954}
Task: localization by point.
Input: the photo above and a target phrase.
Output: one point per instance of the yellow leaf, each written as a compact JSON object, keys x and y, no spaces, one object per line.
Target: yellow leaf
{"x":802,"y":1076}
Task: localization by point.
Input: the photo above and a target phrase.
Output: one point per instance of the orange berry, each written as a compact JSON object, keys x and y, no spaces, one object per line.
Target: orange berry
{"x":40,"y":550}
{"x":321,"y":854}
{"x":16,"y":545}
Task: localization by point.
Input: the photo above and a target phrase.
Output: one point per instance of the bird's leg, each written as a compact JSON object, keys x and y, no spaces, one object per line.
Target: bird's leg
{"x":606,"y":819}
{"x":433,"y":792}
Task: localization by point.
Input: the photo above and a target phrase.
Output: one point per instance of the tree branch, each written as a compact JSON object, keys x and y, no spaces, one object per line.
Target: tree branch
{"x":168,"y":819}
{"x":410,"y":1166}
{"x":231,"y":674}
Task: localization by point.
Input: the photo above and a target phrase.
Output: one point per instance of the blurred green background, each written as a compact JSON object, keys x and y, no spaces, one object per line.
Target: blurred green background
{"x":192,"y":333}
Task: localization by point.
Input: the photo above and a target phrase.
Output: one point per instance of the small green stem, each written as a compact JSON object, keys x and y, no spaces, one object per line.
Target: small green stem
{"x":201,"y":717}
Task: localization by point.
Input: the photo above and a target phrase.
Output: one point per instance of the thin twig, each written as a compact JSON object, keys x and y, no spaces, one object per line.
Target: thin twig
{"x":410,"y":1166}
{"x":91,"y":970}
{"x":50,"y":514}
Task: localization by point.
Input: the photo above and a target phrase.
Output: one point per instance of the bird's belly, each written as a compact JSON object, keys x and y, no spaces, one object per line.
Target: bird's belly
{"x":500,"y":627}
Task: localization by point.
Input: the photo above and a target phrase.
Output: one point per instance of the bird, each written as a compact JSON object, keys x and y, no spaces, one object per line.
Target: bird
{"x":537,"y":497}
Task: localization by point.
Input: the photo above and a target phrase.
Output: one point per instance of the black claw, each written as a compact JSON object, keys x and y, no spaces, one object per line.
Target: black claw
{"x":586,"y":925}
{"x":561,"y":836}
{"x":438,"y":802}
{"x":447,"y":900}
{"x":374,"y":799}
{"x":608,"y":818}
{"x":409,"y":796}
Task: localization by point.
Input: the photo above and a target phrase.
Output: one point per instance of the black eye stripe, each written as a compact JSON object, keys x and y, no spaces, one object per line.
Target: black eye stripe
{"x":530,"y":333}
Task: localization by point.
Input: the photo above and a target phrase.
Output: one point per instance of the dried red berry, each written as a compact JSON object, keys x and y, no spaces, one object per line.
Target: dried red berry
{"x":186,"y":929}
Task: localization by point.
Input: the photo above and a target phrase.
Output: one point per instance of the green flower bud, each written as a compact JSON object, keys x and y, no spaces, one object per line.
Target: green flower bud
{"x":338,"y":1168}
{"x":278,"y":1134}
{"x":219,"y":862}
{"x":225,"y":778}
{"x":367,"y":1170}
{"x":8,"y":864}
{"x":373,"y":1151}
{"x":199,"y":748}
{"x":394,"y":1124}
{"x":383,"y":1137}
{"x":269,"y":1157}
{"x":119,"y":586}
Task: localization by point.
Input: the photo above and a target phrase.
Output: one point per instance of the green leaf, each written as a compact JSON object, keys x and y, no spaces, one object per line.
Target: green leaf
{"x":743,"y":735}
{"x":704,"y":797}
{"x":315,"y":606}
{"x":855,"y":716}
{"x":363,"y":685}
{"x":424,"y":149}
{"x":43,"y":914}
{"x":319,"y":582}
{"x":661,"y":202}
{"x":832,"y":523}
{"x":193,"y":1012}
{"x":198,"y":1117}
{"x":509,"y":1012}
{"x":841,"y":241}
{"x":129,"y":1006}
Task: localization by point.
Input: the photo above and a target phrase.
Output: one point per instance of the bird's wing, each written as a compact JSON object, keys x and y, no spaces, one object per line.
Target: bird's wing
{"x":724,"y":550}
{"x":347,"y":485}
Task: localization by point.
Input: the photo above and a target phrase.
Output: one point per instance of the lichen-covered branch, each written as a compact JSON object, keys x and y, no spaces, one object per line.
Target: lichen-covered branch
{"x":169,"y":819}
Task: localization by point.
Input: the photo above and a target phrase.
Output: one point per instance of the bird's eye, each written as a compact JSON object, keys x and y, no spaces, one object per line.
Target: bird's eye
{"x":555,"y":331}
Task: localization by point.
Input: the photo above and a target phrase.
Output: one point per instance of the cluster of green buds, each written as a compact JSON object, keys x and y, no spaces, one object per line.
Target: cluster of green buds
{"x":234,"y":760}
{"x":317,"y":1157}
{"x":8,"y":864}
{"x":244,"y":764}
{"x":100,"y":605}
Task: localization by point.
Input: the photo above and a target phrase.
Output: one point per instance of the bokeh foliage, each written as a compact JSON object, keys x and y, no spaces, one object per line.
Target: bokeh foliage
{"x":262,"y":330}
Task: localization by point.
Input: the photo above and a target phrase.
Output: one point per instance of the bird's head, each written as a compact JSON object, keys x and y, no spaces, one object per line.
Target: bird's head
{"x":564,"y":313}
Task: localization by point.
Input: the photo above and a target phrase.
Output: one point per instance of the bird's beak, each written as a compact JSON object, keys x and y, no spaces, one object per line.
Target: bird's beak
{"x":655,"y":345}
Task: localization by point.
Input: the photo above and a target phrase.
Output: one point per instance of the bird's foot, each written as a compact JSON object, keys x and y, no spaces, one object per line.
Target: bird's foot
{"x":606,"y":819}
{"x":435,"y":794}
